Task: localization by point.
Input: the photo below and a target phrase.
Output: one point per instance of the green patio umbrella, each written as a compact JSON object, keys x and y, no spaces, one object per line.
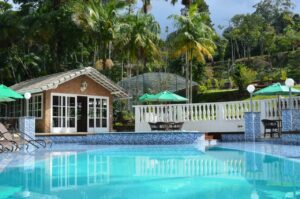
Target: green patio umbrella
{"x":276,"y":89}
{"x":167,"y":96}
{"x":7,"y":94}
{"x":146,"y":97}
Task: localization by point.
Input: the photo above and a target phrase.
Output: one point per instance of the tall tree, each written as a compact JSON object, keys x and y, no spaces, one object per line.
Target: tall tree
{"x":101,"y":21}
{"x":140,"y":40}
{"x":192,"y":39}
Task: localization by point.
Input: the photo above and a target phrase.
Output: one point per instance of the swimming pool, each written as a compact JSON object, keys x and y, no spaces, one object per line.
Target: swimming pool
{"x":180,"y":171}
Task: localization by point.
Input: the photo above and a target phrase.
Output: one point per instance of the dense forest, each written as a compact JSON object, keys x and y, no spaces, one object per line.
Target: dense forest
{"x":39,"y":37}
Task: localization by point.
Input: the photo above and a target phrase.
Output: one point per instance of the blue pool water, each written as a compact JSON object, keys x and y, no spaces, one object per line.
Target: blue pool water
{"x":90,"y":172}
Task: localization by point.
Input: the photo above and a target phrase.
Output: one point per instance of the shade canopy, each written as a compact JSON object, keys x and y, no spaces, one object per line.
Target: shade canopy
{"x":7,"y":94}
{"x":276,"y":89}
{"x":166,"y":96}
{"x":146,"y":97}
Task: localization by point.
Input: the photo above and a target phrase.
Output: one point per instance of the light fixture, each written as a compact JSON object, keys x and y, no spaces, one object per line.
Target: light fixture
{"x":27,"y":95}
{"x":251,"y":88}
{"x":289,"y":82}
{"x":83,"y":86}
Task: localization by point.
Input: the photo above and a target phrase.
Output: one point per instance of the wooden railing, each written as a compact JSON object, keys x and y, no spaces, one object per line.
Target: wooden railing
{"x":201,"y":112}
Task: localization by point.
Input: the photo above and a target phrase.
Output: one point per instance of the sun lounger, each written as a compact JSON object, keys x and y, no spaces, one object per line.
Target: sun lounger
{"x":19,"y":140}
{"x":39,"y":142}
{"x":6,"y":145}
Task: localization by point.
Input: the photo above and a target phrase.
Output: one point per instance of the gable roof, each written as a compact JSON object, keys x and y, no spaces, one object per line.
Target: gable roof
{"x":53,"y":81}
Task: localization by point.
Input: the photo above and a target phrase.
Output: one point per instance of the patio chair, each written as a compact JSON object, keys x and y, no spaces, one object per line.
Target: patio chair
{"x":8,"y":146}
{"x":159,"y":126}
{"x":271,"y":127}
{"x":39,"y":142}
{"x":176,"y":126}
{"x":20,"y":140}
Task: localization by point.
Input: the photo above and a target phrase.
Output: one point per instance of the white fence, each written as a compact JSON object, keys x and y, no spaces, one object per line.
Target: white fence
{"x":210,"y":117}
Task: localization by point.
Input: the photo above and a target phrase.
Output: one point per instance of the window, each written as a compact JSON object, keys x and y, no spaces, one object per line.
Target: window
{"x":35,"y":106}
{"x":12,"y":109}
{"x":98,"y":112}
{"x":64,"y":112}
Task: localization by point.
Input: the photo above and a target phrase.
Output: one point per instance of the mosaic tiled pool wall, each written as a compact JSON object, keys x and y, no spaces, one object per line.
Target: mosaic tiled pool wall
{"x":289,"y":138}
{"x":132,"y":138}
{"x":290,"y":120}
{"x":233,"y":137}
{"x":252,"y":126}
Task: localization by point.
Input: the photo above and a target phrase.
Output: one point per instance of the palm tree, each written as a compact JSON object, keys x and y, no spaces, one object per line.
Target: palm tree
{"x":140,"y":40}
{"x":193,"y":39}
{"x":101,"y":20}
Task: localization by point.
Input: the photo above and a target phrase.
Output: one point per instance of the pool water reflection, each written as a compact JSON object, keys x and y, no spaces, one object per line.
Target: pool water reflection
{"x":150,"y":172}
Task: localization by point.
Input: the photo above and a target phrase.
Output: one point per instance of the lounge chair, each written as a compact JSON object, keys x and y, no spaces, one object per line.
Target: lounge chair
{"x":39,"y":142}
{"x":7,"y":145}
{"x":20,"y":140}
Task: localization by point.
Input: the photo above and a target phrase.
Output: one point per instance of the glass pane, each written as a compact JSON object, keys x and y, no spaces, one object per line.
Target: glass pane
{"x":98,"y":123}
{"x":55,"y":100}
{"x":104,"y":113}
{"x":38,"y":99}
{"x":71,"y":112}
{"x":104,"y":103}
{"x":104,"y":123}
{"x":98,"y":113}
{"x":91,"y":123}
{"x":72,"y":101}
{"x":56,"y":122}
{"x":39,"y":114}
{"x":56,"y":111}
{"x":91,"y":113}
{"x":98,"y":103}
{"x":71,"y":122}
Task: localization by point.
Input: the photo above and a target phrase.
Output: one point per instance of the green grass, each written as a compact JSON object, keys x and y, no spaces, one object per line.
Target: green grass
{"x":224,"y":95}
{"x":219,"y":90}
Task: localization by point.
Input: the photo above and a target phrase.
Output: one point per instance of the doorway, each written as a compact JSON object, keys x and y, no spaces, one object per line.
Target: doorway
{"x":82,"y":113}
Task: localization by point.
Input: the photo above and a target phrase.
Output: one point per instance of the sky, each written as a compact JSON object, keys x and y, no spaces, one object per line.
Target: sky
{"x":221,"y":11}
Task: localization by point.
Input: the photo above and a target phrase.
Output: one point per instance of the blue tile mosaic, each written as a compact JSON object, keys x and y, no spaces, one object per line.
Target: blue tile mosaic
{"x":252,"y":126}
{"x":150,"y":138}
{"x":289,"y":138}
{"x":232,"y":137}
{"x":290,"y":120}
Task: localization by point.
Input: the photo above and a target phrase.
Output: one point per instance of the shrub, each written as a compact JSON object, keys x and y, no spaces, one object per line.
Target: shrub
{"x":216,"y":83}
{"x":222,"y":83}
{"x":243,"y":76}
{"x":208,"y":84}
{"x":202,"y":89}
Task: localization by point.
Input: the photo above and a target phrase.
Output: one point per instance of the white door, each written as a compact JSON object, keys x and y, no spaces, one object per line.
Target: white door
{"x":98,"y":114}
{"x":64,"y":114}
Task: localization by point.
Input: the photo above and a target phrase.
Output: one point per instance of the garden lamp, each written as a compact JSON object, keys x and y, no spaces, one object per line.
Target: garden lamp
{"x":251,"y":89}
{"x":289,"y":82}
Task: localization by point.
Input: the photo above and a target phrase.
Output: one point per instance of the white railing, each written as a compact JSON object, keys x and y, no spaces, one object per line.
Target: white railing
{"x":212,"y":113}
